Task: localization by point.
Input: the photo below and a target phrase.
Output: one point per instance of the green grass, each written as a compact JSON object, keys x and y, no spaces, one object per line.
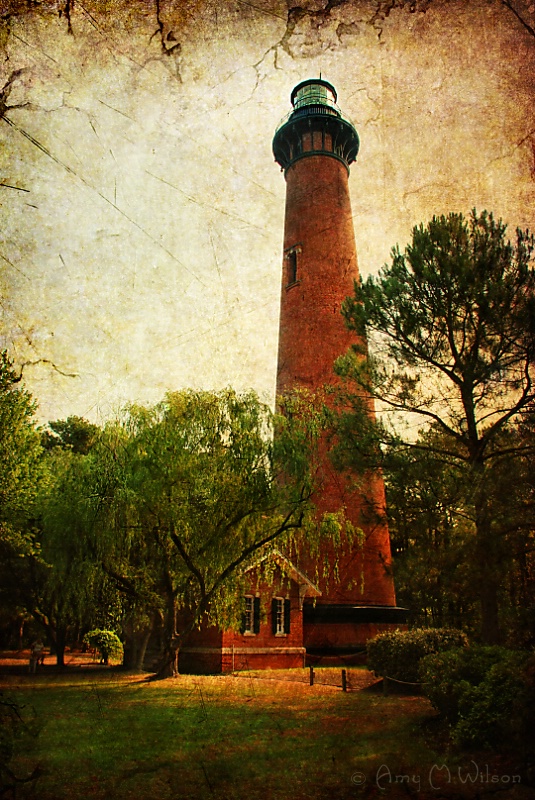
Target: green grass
{"x":112,"y":736}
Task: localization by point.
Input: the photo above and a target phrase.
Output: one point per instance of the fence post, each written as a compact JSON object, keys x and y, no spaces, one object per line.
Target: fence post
{"x":312,"y":676}
{"x":344,"y":680}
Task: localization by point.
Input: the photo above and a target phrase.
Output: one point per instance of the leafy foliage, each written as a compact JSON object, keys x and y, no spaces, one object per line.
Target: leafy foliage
{"x":107,"y":643}
{"x":20,"y":459}
{"x":182,"y":496}
{"x":23,"y":473}
{"x":397,"y":654}
{"x":457,"y":305}
{"x":432,"y":536}
{"x":432,"y":525}
{"x":74,"y":433}
{"x":65,"y":588}
{"x":453,"y":319}
{"x":481,"y":691}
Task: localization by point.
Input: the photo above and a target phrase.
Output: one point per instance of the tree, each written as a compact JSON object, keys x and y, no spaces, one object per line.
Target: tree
{"x":107,"y":643}
{"x":64,"y":581}
{"x":431,"y":532}
{"x":22,"y":472}
{"x":74,"y":433}
{"x":512,"y":499}
{"x":57,"y":580}
{"x":20,"y":459}
{"x":187,"y":493}
{"x":453,"y":321}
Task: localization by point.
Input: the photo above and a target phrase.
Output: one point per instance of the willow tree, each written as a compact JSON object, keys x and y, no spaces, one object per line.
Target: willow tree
{"x":451,"y":327}
{"x":189,"y":492}
{"x":67,"y":592}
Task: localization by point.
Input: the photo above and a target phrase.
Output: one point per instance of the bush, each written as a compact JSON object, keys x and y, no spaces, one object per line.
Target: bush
{"x":107,"y":643}
{"x":397,"y":654}
{"x":480,"y":691}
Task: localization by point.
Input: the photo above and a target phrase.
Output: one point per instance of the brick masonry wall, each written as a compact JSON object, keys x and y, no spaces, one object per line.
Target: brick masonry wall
{"x":319,"y":224}
{"x":266,"y":638}
{"x":273,"y":660}
{"x":319,"y":229}
{"x":206,"y":635}
{"x":198,"y":662}
{"x":212,"y":650}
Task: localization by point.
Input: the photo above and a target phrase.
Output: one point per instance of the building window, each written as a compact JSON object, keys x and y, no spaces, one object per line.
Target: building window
{"x":292,"y":267}
{"x":291,"y":257}
{"x":280,"y":616}
{"x":251,"y":615}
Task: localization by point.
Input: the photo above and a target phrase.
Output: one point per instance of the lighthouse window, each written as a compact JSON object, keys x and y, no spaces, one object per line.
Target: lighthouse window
{"x":292,"y":272}
{"x":312,"y":94}
{"x":307,"y":142}
{"x":292,"y":266}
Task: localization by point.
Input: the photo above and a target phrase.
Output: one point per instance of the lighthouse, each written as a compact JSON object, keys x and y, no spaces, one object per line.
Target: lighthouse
{"x":315,"y":146}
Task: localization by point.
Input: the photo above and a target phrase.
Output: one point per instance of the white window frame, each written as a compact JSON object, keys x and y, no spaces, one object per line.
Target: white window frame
{"x":249,"y":615}
{"x":280,"y":617}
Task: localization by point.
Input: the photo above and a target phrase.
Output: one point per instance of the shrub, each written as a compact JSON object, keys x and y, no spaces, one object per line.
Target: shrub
{"x":397,"y":654}
{"x":480,"y":691}
{"x":107,"y":643}
{"x":524,"y":708}
{"x":448,"y":676}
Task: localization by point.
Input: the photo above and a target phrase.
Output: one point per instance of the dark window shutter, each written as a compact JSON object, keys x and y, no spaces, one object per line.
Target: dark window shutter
{"x":242,"y":624}
{"x":274,"y":616}
{"x":256,"y":615}
{"x":287,"y":616}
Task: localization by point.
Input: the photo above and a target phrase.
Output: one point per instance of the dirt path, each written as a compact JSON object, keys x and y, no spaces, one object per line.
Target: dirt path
{"x":18,"y":661}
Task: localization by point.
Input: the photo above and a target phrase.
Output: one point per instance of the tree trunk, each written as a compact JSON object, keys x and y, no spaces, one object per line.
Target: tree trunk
{"x":487,"y":561}
{"x":490,"y":623}
{"x":60,"y":642}
{"x":57,"y":636}
{"x":135,"y":648}
{"x":168,"y":665}
{"x":142,"y":649}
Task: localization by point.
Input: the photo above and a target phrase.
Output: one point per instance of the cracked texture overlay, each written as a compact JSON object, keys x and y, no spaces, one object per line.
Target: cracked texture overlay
{"x":142,"y":212}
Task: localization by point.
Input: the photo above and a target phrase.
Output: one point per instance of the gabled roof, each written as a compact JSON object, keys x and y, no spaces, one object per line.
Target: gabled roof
{"x":289,"y":567}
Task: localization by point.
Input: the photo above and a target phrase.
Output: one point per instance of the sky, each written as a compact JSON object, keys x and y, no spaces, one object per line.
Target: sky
{"x":141,"y":209}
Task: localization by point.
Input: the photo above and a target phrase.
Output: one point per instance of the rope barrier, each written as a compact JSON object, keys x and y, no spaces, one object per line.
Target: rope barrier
{"x":404,"y":683}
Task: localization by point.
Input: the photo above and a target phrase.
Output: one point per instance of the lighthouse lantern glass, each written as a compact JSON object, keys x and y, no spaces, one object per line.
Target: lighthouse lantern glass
{"x":313,"y":94}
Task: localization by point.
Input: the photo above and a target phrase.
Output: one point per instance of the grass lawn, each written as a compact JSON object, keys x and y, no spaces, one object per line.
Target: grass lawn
{"x":106,"y":735}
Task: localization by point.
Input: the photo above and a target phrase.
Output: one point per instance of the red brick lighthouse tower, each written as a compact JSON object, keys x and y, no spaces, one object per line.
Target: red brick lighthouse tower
{"x":315,"y":145}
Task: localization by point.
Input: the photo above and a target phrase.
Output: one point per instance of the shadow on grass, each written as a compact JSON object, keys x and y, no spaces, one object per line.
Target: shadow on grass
{"x":110,"y":735}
